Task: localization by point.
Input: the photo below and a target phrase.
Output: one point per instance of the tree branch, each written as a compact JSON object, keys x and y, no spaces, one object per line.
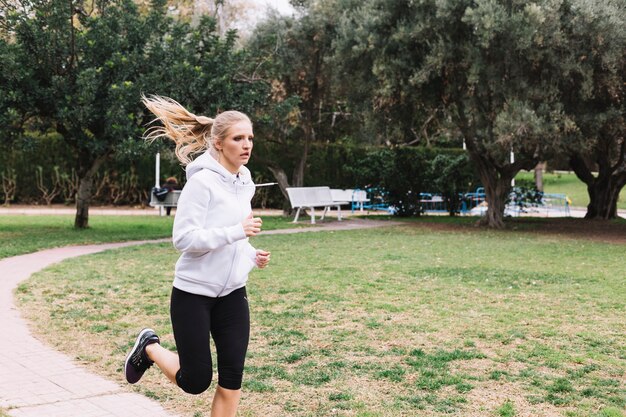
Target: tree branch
{"x":422,"y":129}
{"x":581,"y":169}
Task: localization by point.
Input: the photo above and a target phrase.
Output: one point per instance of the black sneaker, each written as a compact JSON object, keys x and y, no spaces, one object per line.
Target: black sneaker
{"x":137,"y":361}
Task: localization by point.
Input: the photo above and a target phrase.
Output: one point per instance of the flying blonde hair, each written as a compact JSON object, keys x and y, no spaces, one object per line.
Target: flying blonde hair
{"x":192,"y":134}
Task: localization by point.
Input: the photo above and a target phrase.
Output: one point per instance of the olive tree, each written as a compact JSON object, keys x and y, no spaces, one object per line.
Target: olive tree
{"x":486,"y":66}
{"x":593,"y":85}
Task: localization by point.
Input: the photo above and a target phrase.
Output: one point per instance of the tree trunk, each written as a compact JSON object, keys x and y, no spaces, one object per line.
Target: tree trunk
{"x":297,"y":178}
{"x":281,"y":178}
{"x":298,"y":173}
{"x":83,"y":196}
{"x":539,"y":176}
{"x":603,"y":190}
{"x":603,"y":197}
{"x":283,"y":184}
{"x":497,"y":187}
{"x":496,"y":190}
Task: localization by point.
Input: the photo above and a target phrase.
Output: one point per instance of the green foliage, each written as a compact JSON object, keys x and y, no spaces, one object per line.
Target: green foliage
{"x":81,"y":75}
{"x":378,"y":52}
{"x":125,"y":180}
{"x":289,"y":54}
{"x":405,"y":172}
{"x":593,"y":87}
{"x":541,"y":79}
{"x":402,"y":173}
{"x":484,"y":70}
{"x":452,"y":175}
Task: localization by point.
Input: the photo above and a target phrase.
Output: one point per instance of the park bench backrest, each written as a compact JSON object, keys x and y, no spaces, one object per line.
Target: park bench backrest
{"x":349,"y":195}
{"x":309,"y":196}
{"x":171,"y":199}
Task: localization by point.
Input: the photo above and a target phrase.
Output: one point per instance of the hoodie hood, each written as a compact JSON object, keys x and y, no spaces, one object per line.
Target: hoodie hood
{"x":206,"y":161}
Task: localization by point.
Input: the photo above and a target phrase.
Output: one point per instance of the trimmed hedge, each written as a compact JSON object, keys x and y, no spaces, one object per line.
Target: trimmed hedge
{"x":402,"y":172}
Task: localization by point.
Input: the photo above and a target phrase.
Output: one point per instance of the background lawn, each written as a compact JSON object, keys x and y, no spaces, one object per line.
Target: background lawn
{"x":400,"y":321}
{"x":568,"y":184}
{"x":21,"y":234}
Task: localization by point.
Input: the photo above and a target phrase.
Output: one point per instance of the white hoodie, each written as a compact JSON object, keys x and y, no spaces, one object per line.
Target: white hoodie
{"x":216,"y":255}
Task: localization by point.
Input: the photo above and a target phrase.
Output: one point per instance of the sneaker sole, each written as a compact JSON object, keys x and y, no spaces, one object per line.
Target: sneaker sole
{"x":141,"y":333}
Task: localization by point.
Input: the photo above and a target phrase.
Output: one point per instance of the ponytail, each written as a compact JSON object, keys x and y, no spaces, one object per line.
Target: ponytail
{"x":191,"y":133}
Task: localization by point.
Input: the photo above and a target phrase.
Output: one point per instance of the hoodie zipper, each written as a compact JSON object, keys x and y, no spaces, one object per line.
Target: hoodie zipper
{"x":232,"y":261}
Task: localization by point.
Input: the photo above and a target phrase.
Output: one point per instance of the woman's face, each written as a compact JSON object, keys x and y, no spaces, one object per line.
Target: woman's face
{"x":236,"y":148}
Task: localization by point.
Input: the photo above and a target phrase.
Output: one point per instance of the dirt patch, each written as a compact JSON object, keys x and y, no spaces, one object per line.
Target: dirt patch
{"x":487,"y":397}
{"x":564,"y":228}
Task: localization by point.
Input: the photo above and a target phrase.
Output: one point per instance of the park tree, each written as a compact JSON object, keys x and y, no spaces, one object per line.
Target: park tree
{"x":593,"y":87}
{"x":485,"y":66}
{"x":81,"y":72}
{"x":79,"y":77}
{"x":380,"y":95}
{"x":291,"y":55}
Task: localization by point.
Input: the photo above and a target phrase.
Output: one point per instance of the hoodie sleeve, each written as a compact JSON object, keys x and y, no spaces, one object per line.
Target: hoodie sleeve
{"x":189,"y":234}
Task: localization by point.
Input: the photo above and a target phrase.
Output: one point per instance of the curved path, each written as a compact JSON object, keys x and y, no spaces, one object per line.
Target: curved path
{"x":37,"y":381}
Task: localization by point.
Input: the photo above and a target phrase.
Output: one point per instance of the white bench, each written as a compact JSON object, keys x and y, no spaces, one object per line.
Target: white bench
{"x":312,"y":197}
{"x":170,"y":200}
{"x":354,"y":197}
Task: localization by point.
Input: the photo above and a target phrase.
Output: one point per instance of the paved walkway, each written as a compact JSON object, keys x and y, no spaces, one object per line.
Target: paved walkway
{"x":577,"y":212}
{"x":37,"y":381}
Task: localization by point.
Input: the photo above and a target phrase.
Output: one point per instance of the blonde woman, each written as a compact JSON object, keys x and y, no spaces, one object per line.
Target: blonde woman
{"x":212,"y":225}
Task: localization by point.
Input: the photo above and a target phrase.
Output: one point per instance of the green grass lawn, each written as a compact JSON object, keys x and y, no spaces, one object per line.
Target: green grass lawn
{"x":400,"y":321}
{"x":21,"y":234}
{"x":568,"y":184}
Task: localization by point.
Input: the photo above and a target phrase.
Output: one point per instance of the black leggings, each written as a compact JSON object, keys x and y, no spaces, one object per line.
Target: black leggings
{"x":195,"y":318}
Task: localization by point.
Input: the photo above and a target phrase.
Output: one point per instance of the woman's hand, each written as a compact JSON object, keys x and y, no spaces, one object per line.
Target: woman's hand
{"x":252,"y":225}
{"x":262,"y":258}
